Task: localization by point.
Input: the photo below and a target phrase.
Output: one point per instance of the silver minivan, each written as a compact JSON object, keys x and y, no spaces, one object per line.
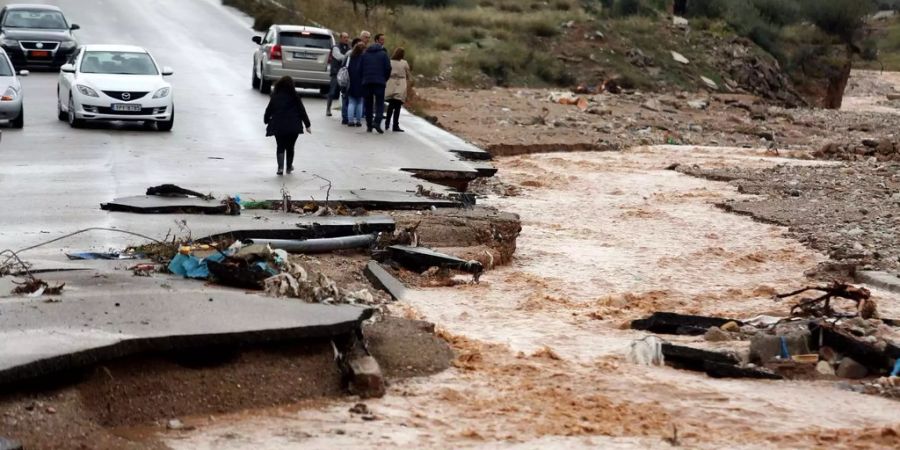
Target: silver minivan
{"x":299,"y":52}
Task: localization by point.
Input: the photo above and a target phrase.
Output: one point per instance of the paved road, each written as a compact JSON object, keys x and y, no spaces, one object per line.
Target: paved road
{"x":53,"y":178}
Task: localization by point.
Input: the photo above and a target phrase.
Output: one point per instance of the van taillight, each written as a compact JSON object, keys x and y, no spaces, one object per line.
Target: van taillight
{"x":275,"y":52}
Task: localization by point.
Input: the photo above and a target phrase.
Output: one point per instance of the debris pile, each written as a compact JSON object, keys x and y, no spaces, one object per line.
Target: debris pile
{"x":836,"y":334}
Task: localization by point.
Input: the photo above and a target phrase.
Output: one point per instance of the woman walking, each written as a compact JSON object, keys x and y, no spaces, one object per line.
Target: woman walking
{"x":355,"y":91}
{"x":285,"y":117}
{"x":397,"y":86}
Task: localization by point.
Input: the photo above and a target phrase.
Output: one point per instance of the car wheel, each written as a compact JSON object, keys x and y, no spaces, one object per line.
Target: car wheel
{"x":60,"y":114}
{"x":167,"y":125}
{"x":254,"y":80}
{"x":265,"y":86}
{"x":19,"y":121}
{"x":74,"y":121}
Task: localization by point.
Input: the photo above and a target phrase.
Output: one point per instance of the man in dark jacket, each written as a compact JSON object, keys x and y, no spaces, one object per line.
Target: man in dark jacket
{"x":337,"y":57}
{"x":376,"y":69}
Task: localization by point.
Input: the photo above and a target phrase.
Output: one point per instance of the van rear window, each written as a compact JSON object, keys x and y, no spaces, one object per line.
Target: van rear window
{"x":298,"y":39}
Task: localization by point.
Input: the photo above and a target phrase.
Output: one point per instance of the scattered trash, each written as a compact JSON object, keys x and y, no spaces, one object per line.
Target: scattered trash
{"x":81,"y":256}
{"x":646,"y":352}
{"x":171,"y":190}
{"x":35,"y":287}
{"x":193,"y":267}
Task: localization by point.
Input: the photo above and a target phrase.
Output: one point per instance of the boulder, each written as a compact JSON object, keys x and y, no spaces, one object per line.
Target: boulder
{"x":765,"y":347}
{"x":678,"y":57}
{"x":848,"y":368}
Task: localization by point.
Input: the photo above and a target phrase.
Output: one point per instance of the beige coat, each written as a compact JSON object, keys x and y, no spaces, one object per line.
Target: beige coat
{"x":398,"y":84}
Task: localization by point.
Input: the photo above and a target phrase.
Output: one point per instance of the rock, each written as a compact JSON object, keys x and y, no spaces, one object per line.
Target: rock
{"x":893,"y":97}
{"x":680,"y":22}
{"x":599,"y":35}
{"x":50,"y":410}
{"x":731,"y":327}
{"x":174,"y":424}
{"x":716,"y":334}
{"x":599,"y":111}
{"x":824,"y":368}
{"x":652,"y":105}
{"x":848,"y":368}
{"x":709,"y":83}
{"x":678,"y":57}
{"x":871,"y":143}
{"x":366,"y":379}
{"x":698,"y":104}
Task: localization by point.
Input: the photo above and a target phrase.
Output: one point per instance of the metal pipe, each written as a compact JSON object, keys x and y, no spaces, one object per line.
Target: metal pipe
{"x":317,"y":245}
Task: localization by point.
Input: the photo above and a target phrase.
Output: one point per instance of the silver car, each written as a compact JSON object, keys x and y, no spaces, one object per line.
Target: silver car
{"x":299,"y":52}
{"x":11,"y":109}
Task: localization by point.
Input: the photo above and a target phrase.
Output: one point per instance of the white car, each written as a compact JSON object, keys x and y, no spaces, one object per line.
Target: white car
{"x":11,"y":108}
{"x":115,"y":82}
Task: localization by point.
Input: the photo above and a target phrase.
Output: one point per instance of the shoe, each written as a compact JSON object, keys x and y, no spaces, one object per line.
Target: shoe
{"x":327,"y":113}
{"x":379,"y":130}
{"x":397,"y":130}
{"x":358,"y":124}
{"x":344,"y":122}
{"x":290,"y":169}
{"x":279,"y":173}
{"x":368,"y":129}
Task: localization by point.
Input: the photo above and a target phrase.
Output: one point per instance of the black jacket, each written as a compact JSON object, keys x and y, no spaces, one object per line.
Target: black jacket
{"x":376,"y":66}
{"x":285,"y":114}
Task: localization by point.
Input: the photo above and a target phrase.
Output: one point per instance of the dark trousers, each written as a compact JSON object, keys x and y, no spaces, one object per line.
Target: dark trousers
{"x":373,"y":104}
{"x":393,"y":111}
{"x":285,"y":143}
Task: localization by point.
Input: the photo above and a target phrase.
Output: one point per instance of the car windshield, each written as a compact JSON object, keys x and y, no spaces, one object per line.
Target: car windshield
{"x":304,"y":39}
{"x":120,"y":63}
{"x":5,"y":70}
{"x":25,"y":18}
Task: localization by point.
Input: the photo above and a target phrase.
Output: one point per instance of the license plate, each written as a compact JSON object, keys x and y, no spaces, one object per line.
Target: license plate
{"x":126,"y":108}
{"x":298,"y":55}
{"x":39,"y":53}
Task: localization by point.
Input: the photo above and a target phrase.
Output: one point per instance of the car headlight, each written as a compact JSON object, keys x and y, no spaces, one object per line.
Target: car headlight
{"x":68,"y":45}
{"x":162,"y":93}
{"x":87,"y":91}
{"x":9,"y":42}
{"x":10,"y":94}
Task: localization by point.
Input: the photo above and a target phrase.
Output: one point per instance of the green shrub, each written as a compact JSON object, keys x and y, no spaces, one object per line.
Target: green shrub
{"x":710,"y":8}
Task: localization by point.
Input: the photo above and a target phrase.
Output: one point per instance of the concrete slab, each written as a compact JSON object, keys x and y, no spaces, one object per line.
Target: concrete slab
{"x":881,"y":280}
{"x":114,"y":314}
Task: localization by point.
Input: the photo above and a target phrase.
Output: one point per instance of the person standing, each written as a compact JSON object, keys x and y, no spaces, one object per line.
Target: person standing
{"x":355,"y":90}
{"x":285,"y":117}
{"x":376,"y":68}
{"x":337,"y":56}
{"x":397,"y":87}
{"x":365,"y":37}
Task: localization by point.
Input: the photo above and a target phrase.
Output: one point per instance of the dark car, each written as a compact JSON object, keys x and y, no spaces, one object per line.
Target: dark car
{"x":36,"y":36}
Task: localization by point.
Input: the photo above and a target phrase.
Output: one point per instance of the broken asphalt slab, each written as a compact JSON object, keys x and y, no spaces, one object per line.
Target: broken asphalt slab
{"x":106,"y":315}
{"x":293,"y":227}
{"x":153,"y":204}
{"x":420,"y":259}
{"x":683,"y":324}
{"x":383,"y":280}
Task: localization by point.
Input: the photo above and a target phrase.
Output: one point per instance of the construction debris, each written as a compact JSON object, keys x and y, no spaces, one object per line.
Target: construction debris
{"x":682,"y":324}
{"x":35,"y":287}
{"x":420,"y":259}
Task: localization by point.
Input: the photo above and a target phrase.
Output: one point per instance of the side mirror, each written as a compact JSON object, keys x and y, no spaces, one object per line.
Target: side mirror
{"x":24,"y":73}
{"x":74,"y":27}
{"x":257,"y":39}
{"x":167,"y":71}
{"x":68,"y":68}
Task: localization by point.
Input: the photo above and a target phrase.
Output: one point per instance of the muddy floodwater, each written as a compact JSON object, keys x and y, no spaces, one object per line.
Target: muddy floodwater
{"x":607,"y":238}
